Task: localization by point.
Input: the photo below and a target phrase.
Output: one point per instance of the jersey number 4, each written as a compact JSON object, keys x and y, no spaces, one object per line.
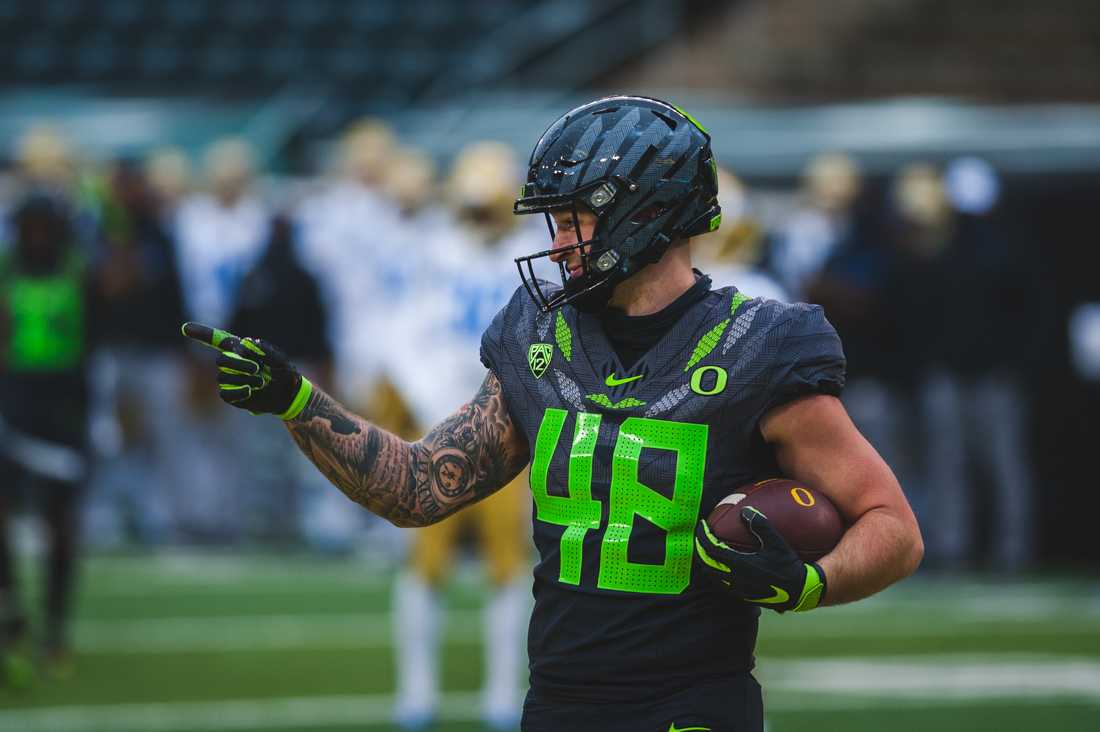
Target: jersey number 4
{"x":579,"y":513}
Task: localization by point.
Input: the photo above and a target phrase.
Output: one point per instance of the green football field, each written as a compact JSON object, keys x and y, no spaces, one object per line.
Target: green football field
{"x":213,"y":642}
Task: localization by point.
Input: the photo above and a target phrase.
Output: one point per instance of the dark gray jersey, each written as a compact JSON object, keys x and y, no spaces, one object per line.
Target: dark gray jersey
{"x":626,"y":461}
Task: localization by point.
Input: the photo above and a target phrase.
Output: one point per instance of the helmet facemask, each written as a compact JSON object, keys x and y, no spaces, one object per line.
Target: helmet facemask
{"x":591,"y":287}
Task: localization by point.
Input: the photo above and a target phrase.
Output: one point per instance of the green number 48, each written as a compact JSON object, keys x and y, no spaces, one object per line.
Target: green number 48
{"x":579,"y":513}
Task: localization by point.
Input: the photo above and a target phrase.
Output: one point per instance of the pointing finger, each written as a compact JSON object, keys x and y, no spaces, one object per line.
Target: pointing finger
{"x":213,"y":337}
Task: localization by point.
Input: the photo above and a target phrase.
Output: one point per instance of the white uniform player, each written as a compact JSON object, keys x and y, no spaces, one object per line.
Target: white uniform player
{"x":219,"y":236}
{"x":466,"y":274}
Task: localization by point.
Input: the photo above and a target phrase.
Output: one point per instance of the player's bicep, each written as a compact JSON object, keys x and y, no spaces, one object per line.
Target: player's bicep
{"x":474,"y":452}
{"x":815,"y":442}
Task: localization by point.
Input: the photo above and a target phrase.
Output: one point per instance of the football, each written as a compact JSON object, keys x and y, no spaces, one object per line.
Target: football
{"x":805,"y":517}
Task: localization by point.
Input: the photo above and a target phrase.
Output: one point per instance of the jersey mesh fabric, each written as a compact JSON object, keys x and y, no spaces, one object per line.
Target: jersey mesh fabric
{"x":622,"y":473}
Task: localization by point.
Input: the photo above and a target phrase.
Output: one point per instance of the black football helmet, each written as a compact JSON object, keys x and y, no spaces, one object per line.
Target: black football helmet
{"x":645,"y":169}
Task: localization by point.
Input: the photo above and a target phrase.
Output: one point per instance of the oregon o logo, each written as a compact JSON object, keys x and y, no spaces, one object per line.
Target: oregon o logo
{"x":717,"y":387}
{"x":802,"y":496}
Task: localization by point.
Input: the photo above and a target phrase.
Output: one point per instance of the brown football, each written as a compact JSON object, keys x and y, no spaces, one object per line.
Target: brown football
{"x":805,"y":517}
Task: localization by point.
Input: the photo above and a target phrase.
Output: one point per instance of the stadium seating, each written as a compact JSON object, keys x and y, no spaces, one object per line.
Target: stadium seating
{"x":253,"y":46}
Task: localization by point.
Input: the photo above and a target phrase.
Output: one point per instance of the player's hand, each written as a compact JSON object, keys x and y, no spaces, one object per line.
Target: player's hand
{"x":253,"y":374}
{"x":773,"y":576}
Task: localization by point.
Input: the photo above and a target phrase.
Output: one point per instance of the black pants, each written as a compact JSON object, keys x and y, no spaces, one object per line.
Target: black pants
{"x":729,"y":705}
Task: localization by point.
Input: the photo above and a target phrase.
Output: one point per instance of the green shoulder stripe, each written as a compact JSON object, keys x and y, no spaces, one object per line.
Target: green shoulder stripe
{"x":707,"y":343}
{"x":739,"y":298}
{"x":564,"y":336}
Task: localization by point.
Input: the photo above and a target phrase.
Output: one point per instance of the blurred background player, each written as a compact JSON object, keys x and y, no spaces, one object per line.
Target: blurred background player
{"x":811,"y":233}
{"x":137,"y":411}
{"x":221,"y":230}
{"x":220,"y":233}
{"x":278,"y":295}
{"x":967,"y":300}
{"x":346,"y":229}
{"x":470,"y":276}
{"x":349,"y":241}
{"x":44,"y":341}
{"x":45,"y":161}
{"x":733,"y":254}
{"x":412,"y":188}
{"x":835,"y":249}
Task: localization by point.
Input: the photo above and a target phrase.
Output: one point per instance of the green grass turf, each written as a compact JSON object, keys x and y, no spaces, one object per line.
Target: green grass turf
{"x":998,"y":718}
{"x":921,"y":618}
{"x":144,"y":678}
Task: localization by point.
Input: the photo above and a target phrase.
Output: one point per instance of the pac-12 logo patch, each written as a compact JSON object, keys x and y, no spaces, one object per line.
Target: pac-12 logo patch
{"x":538,"y":358}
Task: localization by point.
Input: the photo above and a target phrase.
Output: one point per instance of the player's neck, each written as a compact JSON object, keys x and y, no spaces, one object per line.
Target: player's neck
{"x":656,"y":286}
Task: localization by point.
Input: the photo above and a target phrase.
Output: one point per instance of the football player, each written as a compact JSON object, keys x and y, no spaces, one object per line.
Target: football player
{"x":639,"y":397}
{"x":45,"y":329}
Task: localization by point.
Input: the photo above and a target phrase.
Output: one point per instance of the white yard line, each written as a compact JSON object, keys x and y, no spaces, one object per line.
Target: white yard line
{"x":256,"y":632}
{"x":833,"y":683}
{"x":931,"y":678}
{"x":141,"y":588}
{"x":372,"y":630}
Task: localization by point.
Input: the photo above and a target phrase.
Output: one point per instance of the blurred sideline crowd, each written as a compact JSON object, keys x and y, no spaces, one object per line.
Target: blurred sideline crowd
{"x":378,"y":277}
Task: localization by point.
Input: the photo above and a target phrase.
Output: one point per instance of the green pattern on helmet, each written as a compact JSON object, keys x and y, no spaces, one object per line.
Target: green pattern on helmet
{"x":694,"y":121}
{"x":564,"y":336}
{"x":739,"y":298}
{"x":715,"y":222}
{"x":603,"y":401}
{"x":707,"y":343}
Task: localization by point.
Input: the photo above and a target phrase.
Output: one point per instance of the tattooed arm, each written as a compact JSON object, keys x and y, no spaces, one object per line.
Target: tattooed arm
{"x":469,"y":455}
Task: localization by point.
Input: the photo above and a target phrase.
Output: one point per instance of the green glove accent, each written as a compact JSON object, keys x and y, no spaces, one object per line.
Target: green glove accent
{"x":773,"y":577}
{"x":708,"y":559}
{"x":253,"y":374}
{"x":813,"y":590}
{"x":300,"y":399}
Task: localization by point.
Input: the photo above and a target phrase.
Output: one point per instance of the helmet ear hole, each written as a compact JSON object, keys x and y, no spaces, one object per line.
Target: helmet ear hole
{"x":649,"y":213}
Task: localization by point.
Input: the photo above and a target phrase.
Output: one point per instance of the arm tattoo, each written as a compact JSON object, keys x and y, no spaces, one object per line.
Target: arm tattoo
{"x":469,"y":455}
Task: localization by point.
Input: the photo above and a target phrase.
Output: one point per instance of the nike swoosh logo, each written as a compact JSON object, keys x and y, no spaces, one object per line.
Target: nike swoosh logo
{"x":612,"y":381}
{"x":673,"y":728}
{"x":778,"y":597}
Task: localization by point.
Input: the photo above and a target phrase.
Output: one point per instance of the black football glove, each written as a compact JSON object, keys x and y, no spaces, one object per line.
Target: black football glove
{"x":774,"y":576}
{"x":253,"y":374}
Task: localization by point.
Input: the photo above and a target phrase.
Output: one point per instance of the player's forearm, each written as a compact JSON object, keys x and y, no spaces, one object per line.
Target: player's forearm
{"x":373,"y":467}
{"x":879,"y":549}
{"x":463,"y":459}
